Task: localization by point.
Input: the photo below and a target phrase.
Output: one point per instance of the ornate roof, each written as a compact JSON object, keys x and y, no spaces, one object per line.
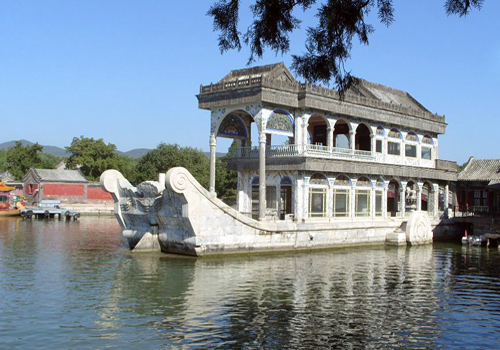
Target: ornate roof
{"x":274,"y":85}
{"x":481,"y":170}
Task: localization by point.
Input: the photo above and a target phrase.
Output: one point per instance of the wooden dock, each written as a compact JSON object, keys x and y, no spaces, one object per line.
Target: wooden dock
{"x":49,"y":209}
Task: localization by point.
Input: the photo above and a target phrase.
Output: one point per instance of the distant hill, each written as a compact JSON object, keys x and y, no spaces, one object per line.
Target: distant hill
{"x":54,"y":150}
{"x":136,"y":153}
{"x":61,"y":152}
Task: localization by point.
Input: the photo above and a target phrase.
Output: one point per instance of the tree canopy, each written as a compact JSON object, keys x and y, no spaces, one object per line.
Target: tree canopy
{"x":328,"y":43}
{"x":167,"y":156}
{"x":20,"y":158}
{"x":92,"y":157}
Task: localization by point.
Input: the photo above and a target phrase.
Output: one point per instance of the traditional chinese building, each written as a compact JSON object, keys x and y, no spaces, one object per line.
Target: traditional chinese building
{"x":372,"y":155}
{"x":68,"y":186}
{"x":478,"y":187}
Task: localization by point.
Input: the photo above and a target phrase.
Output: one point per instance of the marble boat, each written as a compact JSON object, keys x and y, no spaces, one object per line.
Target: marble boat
{"x":357,"y":170}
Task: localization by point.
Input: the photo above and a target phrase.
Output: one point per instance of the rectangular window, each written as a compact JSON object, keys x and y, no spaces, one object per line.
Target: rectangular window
{"x":378,"y":146}
{"x":411,"y":151}
{"x":363,"y":203}
{"x":426,"y":153}
{"x":341,"y":203}
{"x":378,"y":202}
{"x":317,"y":202}
{"x":393,"y":148}
{"x":271,"y":202}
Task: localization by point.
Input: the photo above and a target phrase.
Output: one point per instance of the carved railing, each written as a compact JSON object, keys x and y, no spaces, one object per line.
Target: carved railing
{"x":317,"y":151}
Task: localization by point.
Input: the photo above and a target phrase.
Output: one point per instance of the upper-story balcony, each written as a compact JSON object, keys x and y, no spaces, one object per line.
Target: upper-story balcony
{"x":327,"y":152}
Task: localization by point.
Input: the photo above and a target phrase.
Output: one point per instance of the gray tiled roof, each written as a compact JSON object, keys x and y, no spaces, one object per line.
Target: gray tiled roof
{"x":387,"y":94}
{"x":57,"y":175}
{"x":365,"y":88}
{"x":481,"y":170}
{"x":6,"y":176}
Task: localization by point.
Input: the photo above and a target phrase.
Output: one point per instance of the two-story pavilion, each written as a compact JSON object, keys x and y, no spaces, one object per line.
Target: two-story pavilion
{"x":371,"y":155}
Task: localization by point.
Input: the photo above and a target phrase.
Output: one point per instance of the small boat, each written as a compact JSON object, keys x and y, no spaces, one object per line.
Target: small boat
{"x":9,"y":212}
{"x":8,"y":206}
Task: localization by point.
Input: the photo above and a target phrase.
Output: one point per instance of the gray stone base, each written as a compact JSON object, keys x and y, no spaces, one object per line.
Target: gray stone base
{"x":189,"y":220}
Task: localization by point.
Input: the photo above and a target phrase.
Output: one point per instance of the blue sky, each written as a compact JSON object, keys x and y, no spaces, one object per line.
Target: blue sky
{"x":128,"y":71}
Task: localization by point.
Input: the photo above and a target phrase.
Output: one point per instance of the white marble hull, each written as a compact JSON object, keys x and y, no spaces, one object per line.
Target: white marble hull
{"x":179,"y":216}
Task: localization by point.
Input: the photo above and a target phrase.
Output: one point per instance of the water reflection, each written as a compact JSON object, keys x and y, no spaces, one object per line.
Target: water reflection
{"x":77,"y":286}
{"x":368,"y":298}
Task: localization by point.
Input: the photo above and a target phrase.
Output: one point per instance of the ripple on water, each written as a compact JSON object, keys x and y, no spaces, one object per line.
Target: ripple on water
{"x":77,"y":286}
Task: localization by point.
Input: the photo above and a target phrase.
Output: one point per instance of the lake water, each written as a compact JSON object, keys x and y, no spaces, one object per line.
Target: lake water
{"x":75,"y":285}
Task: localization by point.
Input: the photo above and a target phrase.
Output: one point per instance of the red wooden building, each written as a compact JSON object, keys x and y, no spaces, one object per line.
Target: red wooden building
{"x":68,"y":186}
{"x":478,"y":187}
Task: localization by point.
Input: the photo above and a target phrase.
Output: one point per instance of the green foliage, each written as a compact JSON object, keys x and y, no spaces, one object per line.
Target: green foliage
{"x":20,"y":158}
{"x":167,"y":156}
{"x":226,"y":181}
{"x":92,"y":157}
{"x":328,"y":44}
{"x":50,"y":161}
{"x":3,"y":159}
{"x":128,"y":167}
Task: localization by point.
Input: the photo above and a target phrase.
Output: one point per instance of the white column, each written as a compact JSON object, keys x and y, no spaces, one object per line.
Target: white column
{"x":352,"y":145}
{"x":353,"y":199}
{"x":384,"y":202}
{"x":372,"y":201}
{"x":446,"y":198}
{"x":213,"y":148}
{"x":305,"y":198}
{"x":419,"y":195}
{"x":402,"y":198}
{"x":262,"y":176}
{"x":330,"y":137}
{"x":436,"y":199}
{"x":297,"y":133}
{"x":403,"y":151}
{"x":372,"y":140}
{"x":305,"y":125}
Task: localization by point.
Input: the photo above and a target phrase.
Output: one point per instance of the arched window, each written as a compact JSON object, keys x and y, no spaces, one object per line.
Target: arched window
{"x":363,"y":197}
{"x":411,"y":145}
{"x":271,"y":200}
{"x":362,"y":139}
{"x":280,"y":122}
{"x":341,"y":134}
{"x":318,"y":193}
{"x":232,"y":127}
{"x":318,"y":130}
{"x":394,"y":142}
{"x":426,"y":150}
{"x":341,"y":195}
